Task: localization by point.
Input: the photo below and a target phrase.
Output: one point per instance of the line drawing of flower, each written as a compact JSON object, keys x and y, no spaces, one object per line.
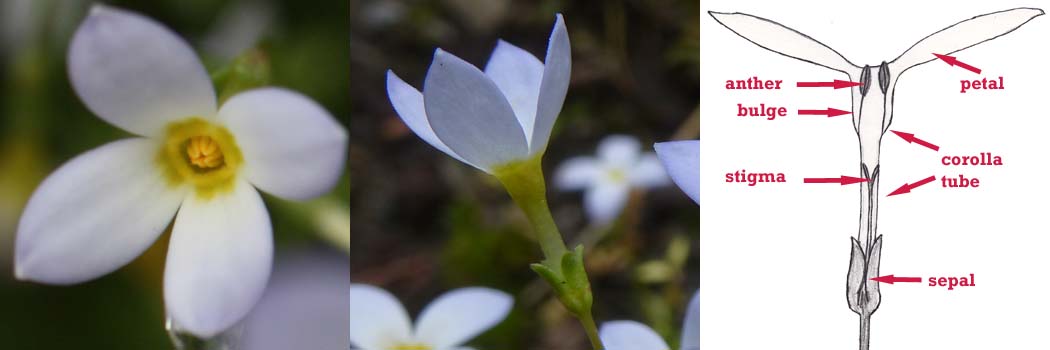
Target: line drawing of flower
{"x":682,"y":161}
{"x":608,"y":177}
{"x":491,"y":118}
{"x":191,"y":161}
{"x":379,"y":322}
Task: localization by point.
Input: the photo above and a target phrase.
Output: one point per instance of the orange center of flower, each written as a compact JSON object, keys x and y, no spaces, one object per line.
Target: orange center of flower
{"x":204,"y":152}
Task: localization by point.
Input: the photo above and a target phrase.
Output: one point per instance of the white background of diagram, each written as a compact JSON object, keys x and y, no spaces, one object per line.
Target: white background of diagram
{"x":774,"y":256}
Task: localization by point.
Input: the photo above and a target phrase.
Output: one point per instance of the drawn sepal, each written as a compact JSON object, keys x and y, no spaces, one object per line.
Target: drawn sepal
{"x":862,"y":293}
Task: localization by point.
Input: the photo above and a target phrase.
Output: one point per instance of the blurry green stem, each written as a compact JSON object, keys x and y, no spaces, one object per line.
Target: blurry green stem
{"x":562,"y":269}
{"x":524,"y":181}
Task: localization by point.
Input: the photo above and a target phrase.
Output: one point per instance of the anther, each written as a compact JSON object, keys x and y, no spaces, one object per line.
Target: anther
{"x":865,"y":80}
{"x":204,"y":152}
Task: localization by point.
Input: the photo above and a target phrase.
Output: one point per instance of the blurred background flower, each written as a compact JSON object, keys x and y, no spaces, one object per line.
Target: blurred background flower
{"x":301,"y":46}
{"x":424,"y":223}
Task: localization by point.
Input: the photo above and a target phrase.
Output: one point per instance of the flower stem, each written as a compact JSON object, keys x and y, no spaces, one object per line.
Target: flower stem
{"x":561,"y":268}
{"x":524,"y":181}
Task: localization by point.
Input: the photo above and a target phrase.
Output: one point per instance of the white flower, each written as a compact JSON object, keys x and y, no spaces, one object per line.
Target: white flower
{"x":682,"y":160}
{"x":379,"y":322}
{"x":631,"y":335}
{"x":491,"y":118}
{"x":105,"y":207}
{"x":305,"y":305}
{"x":608,"y":178}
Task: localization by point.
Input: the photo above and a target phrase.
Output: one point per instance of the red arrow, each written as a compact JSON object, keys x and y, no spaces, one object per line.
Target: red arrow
{"x":907,"y":188}
{"x":952,"y":61}
{"x":891,"y":279}
{"x":912,"y":139}
{"x":837,"y":84}
{"x":842,"y":180}
{"x":830,"y":112}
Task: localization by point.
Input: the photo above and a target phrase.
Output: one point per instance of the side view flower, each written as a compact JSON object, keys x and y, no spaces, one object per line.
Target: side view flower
{"x":632,"y":335}
{"x":379,"y":322}
{"x":493,"y":118}
{"x":190,"y":156}
{"x":682,"y":161}
{"x":608,"y":178}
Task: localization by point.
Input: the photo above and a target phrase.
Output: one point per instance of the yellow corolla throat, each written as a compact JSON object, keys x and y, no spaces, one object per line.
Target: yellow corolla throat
{"x":201,"y":154}
{"x":411,"y":347}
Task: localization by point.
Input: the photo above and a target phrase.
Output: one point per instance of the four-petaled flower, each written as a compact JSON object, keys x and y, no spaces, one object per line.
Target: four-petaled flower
{"x":492,"y":118}
{"x":608,"y":178}
{"x":379,"y":322}
{"x":103,"y":208}
{"x":632,"y":335}
{"x":682,"y":160}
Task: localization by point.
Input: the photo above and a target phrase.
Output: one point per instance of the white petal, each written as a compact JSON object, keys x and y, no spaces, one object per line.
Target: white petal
{"x":630,"y":335}
{"x":95,"y":214}
{"x":691,"y":325}
{"x":682,"y":161}
{"x":408,"y":103}
{"x":604,"y":201}
{"x":619,"y":151}
{"x":518,"y":74}
{"x":470,"y":114}
{"x":963,"y":35}
{"x":776,"y":37}
{"x":219,"y":259}
{"x":305,"y":305}
{"x":377,"y":319}
{"x":577,"y":173}
{"x":648,"y":172}
{"x":557,"y":69}
{"x":459,"y":315}
{"x":136,"y":74}
{"x":292,"y":146}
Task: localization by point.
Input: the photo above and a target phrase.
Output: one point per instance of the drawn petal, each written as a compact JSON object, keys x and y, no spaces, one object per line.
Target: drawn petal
{"x":963,"y":35}
{"x":776,"y":37}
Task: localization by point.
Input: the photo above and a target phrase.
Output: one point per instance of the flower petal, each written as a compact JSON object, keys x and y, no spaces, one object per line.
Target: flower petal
{"x":219,"y":260}
{"x":377,"y":319}
{"x":408,"y":102}
{"x":292,"y":147}
{"x":776,"y":37}
{"x":557,"y":69}
{"x":470,"y":115}
{"x":135,"y":73}
{"x":461,"y":314}
{"x":604,"y":201}
{"x":95,"y":214}
{"x":518,"y":74}
{"x":691,"y":325}
{"x":963,"y":35}
{"x":304,"y":306}
{"x":630,"y":335}
{"x":682,"y":161}
{"x":577,"y":173}
{"x":619,"y":151}
{"x":648,"y":172}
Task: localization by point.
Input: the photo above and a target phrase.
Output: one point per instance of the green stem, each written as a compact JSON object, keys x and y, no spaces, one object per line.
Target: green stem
{"x":592,"y":331}
{"x":524,"y":181}
{"x":562,"y":269}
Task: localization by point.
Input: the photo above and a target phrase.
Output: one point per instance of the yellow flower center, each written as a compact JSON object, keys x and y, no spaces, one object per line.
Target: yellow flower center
{"x":617,"y":175}
{"x":411,"y":347}
{"x":201,"y":154}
